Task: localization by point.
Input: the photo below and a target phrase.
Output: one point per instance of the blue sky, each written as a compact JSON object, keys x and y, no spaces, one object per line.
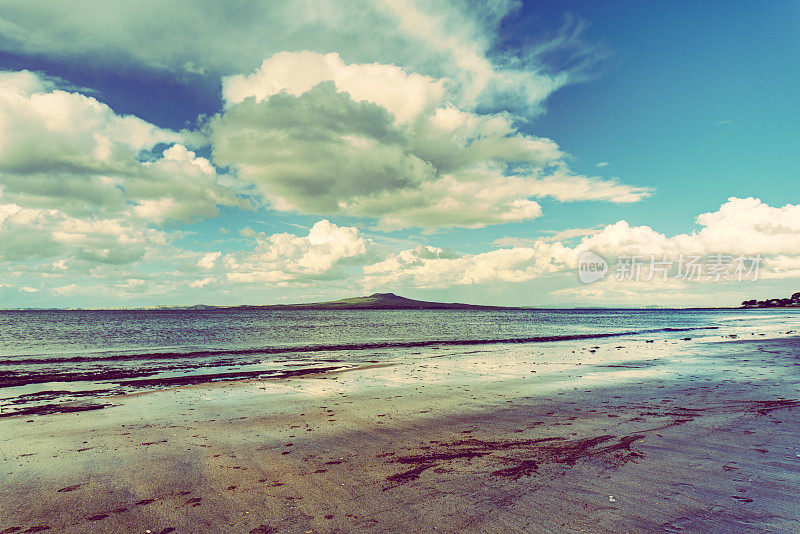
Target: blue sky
{"x":186,"y":152}
{"x":697,"y":95}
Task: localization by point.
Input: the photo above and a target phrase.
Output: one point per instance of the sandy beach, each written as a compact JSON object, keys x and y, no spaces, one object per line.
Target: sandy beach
{"x":399,"y":266}
{"x":674,"y":435}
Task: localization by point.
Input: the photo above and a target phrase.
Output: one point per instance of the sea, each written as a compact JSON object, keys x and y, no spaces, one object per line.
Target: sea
{"x":70,"y":360}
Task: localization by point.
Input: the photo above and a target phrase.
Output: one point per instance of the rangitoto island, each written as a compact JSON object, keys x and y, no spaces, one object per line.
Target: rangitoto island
{"x":791,"y":302}
{"x":376,"y":301}
{"x":387,"y":301}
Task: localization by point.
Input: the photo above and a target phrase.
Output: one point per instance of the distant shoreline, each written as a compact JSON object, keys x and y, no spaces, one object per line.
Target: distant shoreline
{"x":391,"y":301}
{"x":311,"y":307}
{"x":445,"y":306}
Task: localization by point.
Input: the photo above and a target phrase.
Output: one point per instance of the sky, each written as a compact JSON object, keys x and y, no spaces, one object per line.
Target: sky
{"x":185,"y":152}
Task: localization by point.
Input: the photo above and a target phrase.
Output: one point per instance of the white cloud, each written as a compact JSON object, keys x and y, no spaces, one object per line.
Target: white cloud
{"x":445,"y":39}
{"x":310,"y":145}
{"x":30,"y":234}
{"x":66,"y":151}
{"x":382,"y":123}
{"x":572,"y":233}
{"x":560,"y":235}
{"x":209,"y":261}
{"x":742,"y":227}
{"x":463,"y":38}
{"x":283,"y":258}
{"x":567,"y":187}
{"x":57,"y":128}
{"x":397,"y":111}
{"x":404,"y":95}
{"x":781,"y":267}
{"x":82,"y":187}
{"x":429,"y":267}
{"x":203,"y":282}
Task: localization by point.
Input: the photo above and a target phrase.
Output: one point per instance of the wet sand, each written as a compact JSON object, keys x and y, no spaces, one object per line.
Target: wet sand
{"x":677,"y":435}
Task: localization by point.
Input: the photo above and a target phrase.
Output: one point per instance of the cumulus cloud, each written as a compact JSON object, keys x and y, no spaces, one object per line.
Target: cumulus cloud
{"x":740,"y":228}
{"x":744,"y":226}
{"x":414,"y":123}
{"x":320,"y":136}
{"x":417,"y":122}
{"x":444,"y":39}
{"x":31,"y":234}
{"x":203,"y":282}
{"x":554,"y":235}
{"x":208,"y":261}
{"x":404,"y":95}
{"x":66,"y":151}
{"x":430,"y":267}
{"x":285,"y":257}
{"x":84,"y":191}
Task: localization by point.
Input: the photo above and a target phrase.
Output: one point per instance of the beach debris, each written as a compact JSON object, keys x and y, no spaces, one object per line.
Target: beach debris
{"x":611,"y":498}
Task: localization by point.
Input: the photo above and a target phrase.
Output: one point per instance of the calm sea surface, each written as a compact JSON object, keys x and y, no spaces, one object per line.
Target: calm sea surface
{"x":49,"y":358}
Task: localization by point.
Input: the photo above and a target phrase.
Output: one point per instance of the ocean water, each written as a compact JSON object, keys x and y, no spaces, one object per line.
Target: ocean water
{"x":67,"y":360}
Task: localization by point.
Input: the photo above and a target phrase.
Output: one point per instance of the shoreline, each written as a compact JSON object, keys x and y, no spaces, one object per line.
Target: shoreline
{"x":84,"y":389}
{"x":471,"y":442}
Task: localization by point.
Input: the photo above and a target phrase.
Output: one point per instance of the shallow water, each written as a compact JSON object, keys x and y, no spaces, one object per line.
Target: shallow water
{"x":50,"y":358}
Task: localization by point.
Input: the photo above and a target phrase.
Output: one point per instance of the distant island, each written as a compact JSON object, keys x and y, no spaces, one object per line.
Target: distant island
{"x":383,"y":301}
{"x":791,"y":302}
{"x":376,"y":301}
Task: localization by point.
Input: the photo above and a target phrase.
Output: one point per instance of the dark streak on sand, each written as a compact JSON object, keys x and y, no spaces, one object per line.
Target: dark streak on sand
{"x":122,"y":377}
{"x":558,"y":450}
{"x":47,"y":409}
{"x":68,"y":407}
{"x":533,"y":452}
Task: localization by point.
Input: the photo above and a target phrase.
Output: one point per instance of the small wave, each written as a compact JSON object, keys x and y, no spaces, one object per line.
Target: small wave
{"x":672,"y":329}
{"x":204,"y":353}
